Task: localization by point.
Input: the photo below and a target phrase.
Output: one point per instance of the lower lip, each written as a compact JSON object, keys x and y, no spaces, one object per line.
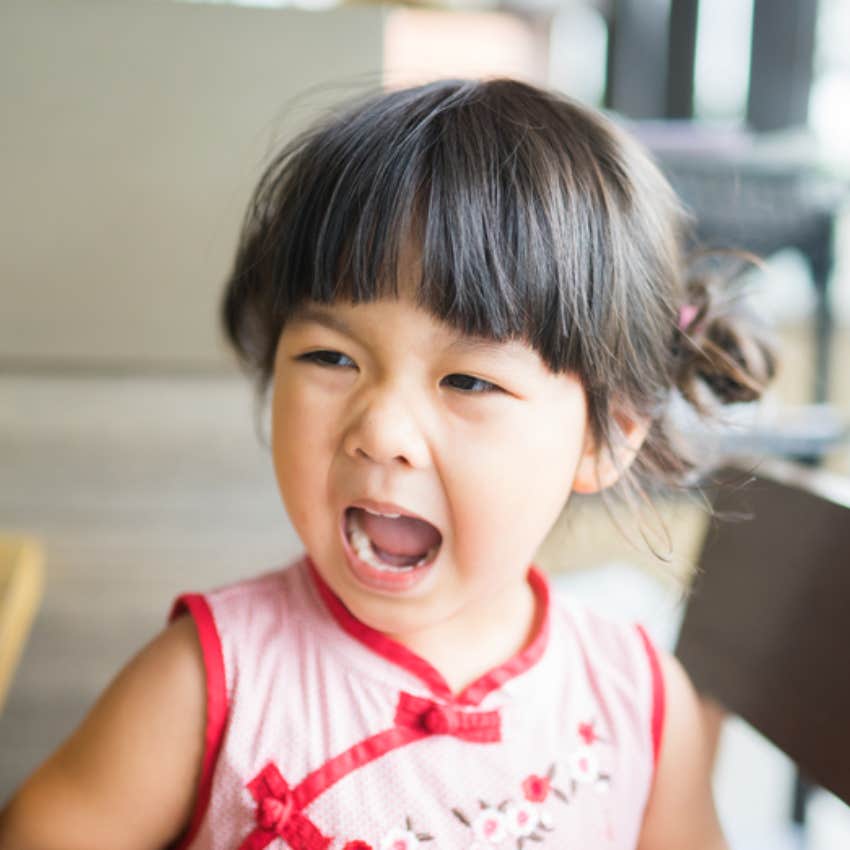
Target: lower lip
{"x":393,"y":581}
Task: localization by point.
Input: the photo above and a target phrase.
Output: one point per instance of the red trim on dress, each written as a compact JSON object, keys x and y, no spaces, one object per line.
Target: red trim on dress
{"x":525,"y":659}
{"x":216,"y":709}
{"x":355,"y":757}
{"x":658,"y":700}
{"x":415,"y":718}
{"x":280,"y":809}
{"x":398,"y":654}
{"x":379,"y":642}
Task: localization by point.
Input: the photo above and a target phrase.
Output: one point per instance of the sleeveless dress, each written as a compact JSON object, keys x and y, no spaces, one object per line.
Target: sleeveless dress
{"x":323,"y":733}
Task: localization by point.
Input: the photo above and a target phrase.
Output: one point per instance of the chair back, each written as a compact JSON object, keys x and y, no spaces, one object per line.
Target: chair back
{"x":766,"y":631}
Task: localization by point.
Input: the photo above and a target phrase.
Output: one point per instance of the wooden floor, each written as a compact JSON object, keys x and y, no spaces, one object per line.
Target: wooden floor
{"x":140,"y":488}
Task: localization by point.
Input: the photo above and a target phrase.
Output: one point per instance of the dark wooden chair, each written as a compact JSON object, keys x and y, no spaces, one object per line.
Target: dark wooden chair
{"x":766,"y":632}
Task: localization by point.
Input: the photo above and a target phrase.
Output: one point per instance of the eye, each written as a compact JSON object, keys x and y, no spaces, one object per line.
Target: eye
{"x":327,"y":359}
{"x":471,"y":386}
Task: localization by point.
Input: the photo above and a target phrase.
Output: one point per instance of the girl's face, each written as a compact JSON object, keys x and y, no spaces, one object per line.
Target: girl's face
{"x":380,"y":406}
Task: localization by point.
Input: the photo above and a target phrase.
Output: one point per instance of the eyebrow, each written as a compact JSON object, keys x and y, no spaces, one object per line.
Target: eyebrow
{"x":461,"y":342}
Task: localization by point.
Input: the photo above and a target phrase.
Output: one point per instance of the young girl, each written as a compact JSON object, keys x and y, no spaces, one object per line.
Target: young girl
{"x":469,"y":302}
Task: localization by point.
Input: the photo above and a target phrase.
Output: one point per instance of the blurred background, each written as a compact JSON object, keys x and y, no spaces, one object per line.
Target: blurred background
{"x":133,"y":133}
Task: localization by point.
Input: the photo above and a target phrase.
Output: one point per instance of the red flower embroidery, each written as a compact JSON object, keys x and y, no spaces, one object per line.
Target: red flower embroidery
{"x":535,"y":788}
{"x":587,"y":733}
{"x":357,"y":845}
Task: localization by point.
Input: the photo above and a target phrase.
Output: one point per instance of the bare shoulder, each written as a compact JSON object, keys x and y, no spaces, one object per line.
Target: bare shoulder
{"x":680,"y":812}
{"x":127,"y":776}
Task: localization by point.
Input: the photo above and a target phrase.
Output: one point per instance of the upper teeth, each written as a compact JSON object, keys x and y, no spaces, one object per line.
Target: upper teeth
{"x":378,"y":513}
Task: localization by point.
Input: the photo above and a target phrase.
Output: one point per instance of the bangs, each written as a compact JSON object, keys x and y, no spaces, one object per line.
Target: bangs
{"x":478,"y":198}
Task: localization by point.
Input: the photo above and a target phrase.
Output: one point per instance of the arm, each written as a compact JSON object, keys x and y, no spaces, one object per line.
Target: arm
{"x":680,"y":812}
{"x":127,"y":776}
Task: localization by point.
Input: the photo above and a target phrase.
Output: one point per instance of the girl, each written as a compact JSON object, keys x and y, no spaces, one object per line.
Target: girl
{"x":469,"y":302}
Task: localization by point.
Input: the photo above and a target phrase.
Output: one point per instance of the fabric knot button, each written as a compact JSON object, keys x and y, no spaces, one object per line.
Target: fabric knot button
{"x":433,"y":718}
{"x":438,"y":720}
{"x":274,"y":813}
{"x":279,"y":815}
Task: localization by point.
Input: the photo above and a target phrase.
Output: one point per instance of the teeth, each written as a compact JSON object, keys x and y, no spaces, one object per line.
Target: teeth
{"x":377,"y":513}
{"x":363,"y":547}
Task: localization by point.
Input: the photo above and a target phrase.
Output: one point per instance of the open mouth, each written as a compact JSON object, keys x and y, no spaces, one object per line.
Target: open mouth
{"x":391,"y":543}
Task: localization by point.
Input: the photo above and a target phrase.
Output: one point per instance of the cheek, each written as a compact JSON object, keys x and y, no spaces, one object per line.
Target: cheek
{"x":525,"y":455}
{"x":513,"y":485}
{"x":300,"y":460}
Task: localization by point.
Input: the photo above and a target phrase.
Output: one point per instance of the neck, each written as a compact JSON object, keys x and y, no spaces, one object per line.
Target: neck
{"x":491,"y":632}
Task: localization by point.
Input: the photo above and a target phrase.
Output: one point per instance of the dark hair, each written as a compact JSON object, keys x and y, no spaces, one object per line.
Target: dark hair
{"x":534,"y":217}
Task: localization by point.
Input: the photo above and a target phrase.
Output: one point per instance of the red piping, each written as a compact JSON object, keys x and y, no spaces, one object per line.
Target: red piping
{"x":398,"y":654}
{"x":216,"y":707}
{"x":658,"y":698}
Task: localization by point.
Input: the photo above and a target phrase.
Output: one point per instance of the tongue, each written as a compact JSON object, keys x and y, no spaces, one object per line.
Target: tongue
{"x":405,"y":536}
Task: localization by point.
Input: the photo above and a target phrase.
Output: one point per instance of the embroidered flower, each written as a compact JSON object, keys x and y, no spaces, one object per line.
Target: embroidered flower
{"x":521,"y":818}
{"x":583,"y":765}
{"x":399,"y":839}
{"x":357,"y":845}
{"x":489,"y":826}
{"x":587,"y":732}
{"x":536,"y":788}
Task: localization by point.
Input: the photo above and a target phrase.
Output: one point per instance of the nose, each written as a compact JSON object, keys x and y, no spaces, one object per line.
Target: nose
{"x":385,"y":430}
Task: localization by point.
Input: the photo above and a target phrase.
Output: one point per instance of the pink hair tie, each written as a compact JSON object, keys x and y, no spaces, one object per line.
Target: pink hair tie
{"x":687,"y":313}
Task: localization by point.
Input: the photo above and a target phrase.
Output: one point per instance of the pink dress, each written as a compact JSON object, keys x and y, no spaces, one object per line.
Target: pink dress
{"x":323,"y":733}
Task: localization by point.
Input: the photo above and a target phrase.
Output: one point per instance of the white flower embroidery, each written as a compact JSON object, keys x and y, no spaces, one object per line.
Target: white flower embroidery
{"x":489,"y":826}
{"x":521,"y":818}
{"x":399,"y":839}
{"x":545,"y":818}
{"x":583,"y":765}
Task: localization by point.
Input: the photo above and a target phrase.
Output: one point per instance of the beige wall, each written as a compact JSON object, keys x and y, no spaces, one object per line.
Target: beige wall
{"x":132,"y":134}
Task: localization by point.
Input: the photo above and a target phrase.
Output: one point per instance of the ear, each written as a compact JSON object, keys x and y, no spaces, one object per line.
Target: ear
{"x":600,"y":466}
